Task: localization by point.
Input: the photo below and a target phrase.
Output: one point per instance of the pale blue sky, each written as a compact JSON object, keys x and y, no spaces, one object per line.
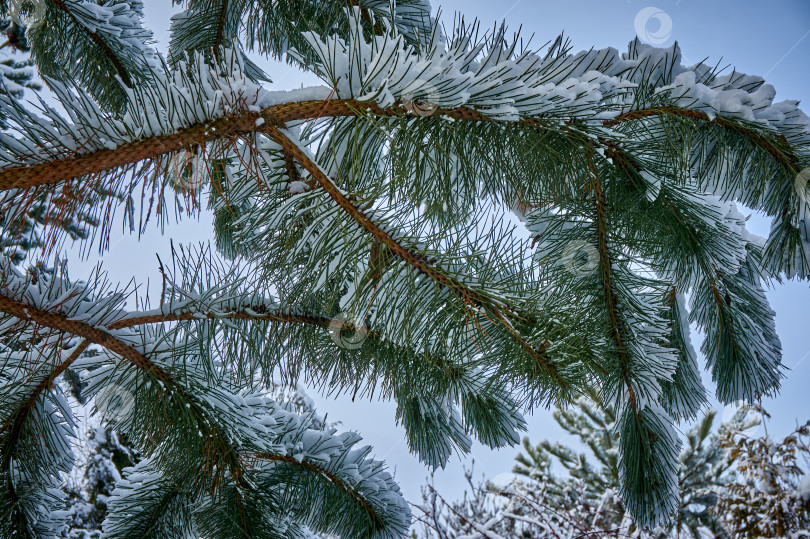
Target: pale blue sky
{"x":770,"y":39}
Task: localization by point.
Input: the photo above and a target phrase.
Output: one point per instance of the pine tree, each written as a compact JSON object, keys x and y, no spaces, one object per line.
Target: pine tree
{"x":591,"y":483}
{"x":540,"y":503}
{"x":18,"y":240}
{"x":362,"y":246}
{"x":109,"y":455}
{"x":16,"y":74}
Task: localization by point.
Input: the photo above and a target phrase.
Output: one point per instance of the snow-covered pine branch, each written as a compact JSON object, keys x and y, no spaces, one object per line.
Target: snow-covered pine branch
{"x":379,"y":200}
{"x":166,"y":403}
{"x":104,"y":48}
{"x":249,"y":335}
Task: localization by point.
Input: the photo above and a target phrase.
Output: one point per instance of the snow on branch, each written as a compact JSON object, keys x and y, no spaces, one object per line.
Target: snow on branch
{"x":235,"y":427}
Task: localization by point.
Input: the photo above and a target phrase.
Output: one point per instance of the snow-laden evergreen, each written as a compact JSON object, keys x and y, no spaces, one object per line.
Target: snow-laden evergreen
{"x":364,"y":245}
{"x":221,"y":428}
{"x":112,"y":46}
{"x":96,"y":473}
{"x":558,"y":491}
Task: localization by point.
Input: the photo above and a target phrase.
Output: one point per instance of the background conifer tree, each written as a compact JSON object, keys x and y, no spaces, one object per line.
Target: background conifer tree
{"x":540,"y":502}
{"x":591,"y":480}
{"x":731,"y":483}
{"x":362,"y":246}
{"x":108,"y":456}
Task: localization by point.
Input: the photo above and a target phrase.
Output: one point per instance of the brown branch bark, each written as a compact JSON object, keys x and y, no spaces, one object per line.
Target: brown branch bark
{"x":220,"y":28}
{"x":292,"y":172}
{"x":235,"y":125}
{"x":322,"y":322}
{"x":232,"y":126}
{"x":617,"y":330}
{"x":240,"y":508}
{"x":378,"y":28}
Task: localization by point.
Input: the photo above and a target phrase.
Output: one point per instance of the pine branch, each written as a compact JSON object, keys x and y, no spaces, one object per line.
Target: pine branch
{"x":22,"y":414}
{"x":292,"y":171}
{"x":250,"y":313}
{"x":34,"y":440}
{"x":104,"y":48}
{"x":340,"y":484}
{"x":67,"y":168}
{"x":684,"y":395}
{"x":280,"y":465}
{"x":784,"y":156}
{"x":408,"y":371}
{"x":209,"y":28}
{"x":434,"y":131}
{"x":97,"y":336}
{"x":109,"y":341}
{"x":617,"y":330}
{"x":90,"y":333}
{"x":648,"y":444}
{"x":99,"y":41}
{"x":255,"y":313}
{"x":277,"y":27}
{"x":138,"y":511}
{"x":706,"y":261}
{"x":469,"y":296}
{"x":741,"y":345}
{"x":367,"y":16}
{"x":220,"y":28}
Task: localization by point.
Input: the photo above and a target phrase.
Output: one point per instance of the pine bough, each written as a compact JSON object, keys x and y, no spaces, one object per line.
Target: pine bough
{"x":383,"y":194}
